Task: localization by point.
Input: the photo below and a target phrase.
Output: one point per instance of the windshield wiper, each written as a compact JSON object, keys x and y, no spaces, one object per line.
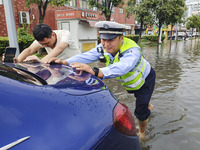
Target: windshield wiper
{"x":14,"y":143}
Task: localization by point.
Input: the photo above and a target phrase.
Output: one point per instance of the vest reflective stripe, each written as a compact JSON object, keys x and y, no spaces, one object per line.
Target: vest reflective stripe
{"x":137,"y":85}
{"x":141,"y":66}
{"x":134,"y":79}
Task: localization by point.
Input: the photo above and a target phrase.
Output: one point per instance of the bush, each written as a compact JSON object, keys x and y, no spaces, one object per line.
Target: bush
{"x":133,"y":37}
{"x":3,"y":44}
{"x":23,"y":43}
{"x":24,"y":39}
{"x":153,"y":38}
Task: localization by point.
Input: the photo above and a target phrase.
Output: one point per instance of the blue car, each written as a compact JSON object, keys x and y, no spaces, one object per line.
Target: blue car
{"x":55,"y":107}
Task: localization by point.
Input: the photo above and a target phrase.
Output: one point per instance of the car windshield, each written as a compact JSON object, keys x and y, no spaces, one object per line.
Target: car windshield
{"x":19,"y":75}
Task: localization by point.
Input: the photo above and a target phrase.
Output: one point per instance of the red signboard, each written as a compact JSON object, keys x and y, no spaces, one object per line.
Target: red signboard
{"x":77,"y":14}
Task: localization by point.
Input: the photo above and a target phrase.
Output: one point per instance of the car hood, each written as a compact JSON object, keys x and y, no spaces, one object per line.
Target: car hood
{"x":51,"y":118}
{"x":62,"y":77}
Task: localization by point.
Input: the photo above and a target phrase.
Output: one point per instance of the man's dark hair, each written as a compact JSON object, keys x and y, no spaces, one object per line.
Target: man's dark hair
{"x":42,"y":31}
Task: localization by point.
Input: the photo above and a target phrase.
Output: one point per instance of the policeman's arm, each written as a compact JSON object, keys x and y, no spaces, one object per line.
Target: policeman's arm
{"x":27,"y":52}
{"x":55,"y":52}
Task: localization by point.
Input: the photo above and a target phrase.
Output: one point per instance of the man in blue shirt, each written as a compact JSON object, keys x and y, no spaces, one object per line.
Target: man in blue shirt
{"x":124,"y":61}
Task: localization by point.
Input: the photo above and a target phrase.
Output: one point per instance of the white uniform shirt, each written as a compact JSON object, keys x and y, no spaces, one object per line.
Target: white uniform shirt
{"x":64,"y":36}
{"x":129,"y":61}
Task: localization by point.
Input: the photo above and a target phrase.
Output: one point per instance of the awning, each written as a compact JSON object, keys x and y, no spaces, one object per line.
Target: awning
{"x":87,"y":22}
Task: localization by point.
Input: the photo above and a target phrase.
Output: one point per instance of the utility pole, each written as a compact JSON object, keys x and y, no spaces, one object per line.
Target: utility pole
{"x":11,"y":26}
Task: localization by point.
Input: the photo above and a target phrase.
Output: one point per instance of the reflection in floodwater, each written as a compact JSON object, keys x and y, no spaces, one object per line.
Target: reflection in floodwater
{"x":174,"y":122}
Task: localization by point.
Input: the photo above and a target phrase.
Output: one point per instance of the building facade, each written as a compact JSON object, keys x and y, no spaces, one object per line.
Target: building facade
{"x":193,"y":7}
{"x":76,"y":16}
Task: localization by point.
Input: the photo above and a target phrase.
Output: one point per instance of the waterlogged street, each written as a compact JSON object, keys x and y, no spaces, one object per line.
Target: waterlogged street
{"x":174,"y":123}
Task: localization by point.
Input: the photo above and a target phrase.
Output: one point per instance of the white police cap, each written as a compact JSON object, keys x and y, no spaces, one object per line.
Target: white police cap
{"x":109,"y":29}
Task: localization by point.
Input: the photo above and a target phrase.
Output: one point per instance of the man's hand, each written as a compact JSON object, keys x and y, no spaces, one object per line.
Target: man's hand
{"x":15,"y":60}
{"x":57,"y":61}
{"x":3,"y":57}
{"x":32,"y":59}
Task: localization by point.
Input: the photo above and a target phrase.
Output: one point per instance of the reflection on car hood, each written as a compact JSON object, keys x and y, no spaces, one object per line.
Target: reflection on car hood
{"x":63,"y":77}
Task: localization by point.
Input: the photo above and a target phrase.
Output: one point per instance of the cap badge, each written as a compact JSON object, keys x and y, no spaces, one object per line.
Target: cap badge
{"x":106,"y":26}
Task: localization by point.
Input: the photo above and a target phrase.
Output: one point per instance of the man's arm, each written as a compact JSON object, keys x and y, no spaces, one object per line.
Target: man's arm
{"x":27,"y":52}
{"x":55,"y":52}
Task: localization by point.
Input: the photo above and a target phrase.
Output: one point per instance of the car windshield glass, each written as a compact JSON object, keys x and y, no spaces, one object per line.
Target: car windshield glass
{"x":17,"y":74}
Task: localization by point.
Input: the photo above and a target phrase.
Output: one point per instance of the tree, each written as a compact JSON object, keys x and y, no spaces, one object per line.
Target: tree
{"x":143,"y":14}
{"x":106,"y":6}
{"x":160,"y":8}
{"x":42,"y":6}
{"x":175,"y":12}
{"x":162,"y":11}
{"x":193,"y":22}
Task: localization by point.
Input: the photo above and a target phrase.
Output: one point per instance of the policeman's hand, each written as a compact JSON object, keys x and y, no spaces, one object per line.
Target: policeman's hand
{"x":82,"y":67}
{"x":87,"y":68}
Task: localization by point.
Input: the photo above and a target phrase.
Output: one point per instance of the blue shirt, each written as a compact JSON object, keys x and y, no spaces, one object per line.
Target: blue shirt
{"x":128,"y":61}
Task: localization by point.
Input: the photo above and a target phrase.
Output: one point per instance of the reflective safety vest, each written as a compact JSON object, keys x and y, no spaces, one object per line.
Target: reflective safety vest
{"x":134,"y":79}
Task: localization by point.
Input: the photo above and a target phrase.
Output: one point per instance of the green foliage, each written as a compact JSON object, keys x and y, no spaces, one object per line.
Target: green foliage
{"x":133,"y":37}
{"x":153,"y":38}
{"x":42,"y":6}
{"x":167,"y":11}
{"x":106,"y":6}
{"x":175,"y":12}
{"x":51,"y":2}
{"x":24,"y":39}
{"x":193,"y":22}
{"x":129,"y":8}
{"x":45,"y":2}
{"x":23,"y":43}
{"x":3,"y":44}
{"x":143,"y":14}
{"x":23,"y":33}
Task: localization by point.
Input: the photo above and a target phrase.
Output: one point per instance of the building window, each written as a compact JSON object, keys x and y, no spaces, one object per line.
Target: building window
{"x":72,"y":3}
{"x":121,"y":10}
{"x":85,"y":5}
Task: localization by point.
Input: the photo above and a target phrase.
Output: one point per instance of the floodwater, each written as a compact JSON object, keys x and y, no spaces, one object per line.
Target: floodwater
{"x":174,"y":123}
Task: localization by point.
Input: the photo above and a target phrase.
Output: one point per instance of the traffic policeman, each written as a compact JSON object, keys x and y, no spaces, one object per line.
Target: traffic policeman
{"x":124,"y":61}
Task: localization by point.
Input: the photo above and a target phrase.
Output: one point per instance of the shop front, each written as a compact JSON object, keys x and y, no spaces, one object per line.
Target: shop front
{"x":81,"y":27}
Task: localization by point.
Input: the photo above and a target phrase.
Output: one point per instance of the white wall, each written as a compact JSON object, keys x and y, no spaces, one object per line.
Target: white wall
{"x":72,"y":26}
{"x":87,"y":32}
{"x":80,"y":33}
